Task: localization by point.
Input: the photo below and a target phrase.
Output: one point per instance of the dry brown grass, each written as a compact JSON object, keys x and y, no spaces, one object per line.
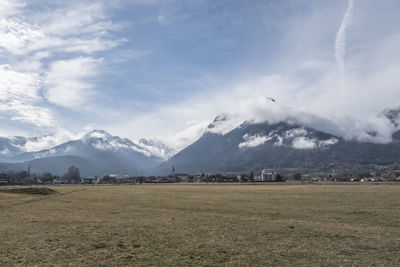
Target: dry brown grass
{"x":206,"y":225}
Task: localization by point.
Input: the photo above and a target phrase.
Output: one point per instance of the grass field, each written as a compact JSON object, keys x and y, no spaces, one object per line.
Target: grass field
{"x":206,"y":225}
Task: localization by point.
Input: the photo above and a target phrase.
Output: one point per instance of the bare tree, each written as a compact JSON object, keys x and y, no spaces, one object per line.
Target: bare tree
{"x":47,"y":178}
{"x":73,"y":175}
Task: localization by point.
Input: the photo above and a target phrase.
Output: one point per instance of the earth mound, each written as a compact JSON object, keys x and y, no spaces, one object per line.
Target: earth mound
{"x":30,"y":191}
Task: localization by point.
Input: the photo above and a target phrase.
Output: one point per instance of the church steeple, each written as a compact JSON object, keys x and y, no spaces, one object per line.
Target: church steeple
{"x":173,"y":171}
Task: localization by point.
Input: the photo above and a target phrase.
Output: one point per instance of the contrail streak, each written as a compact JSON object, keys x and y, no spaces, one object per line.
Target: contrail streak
{"x":340,"y":43}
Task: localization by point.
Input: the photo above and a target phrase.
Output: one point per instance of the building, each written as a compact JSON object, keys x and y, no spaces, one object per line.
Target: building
{"x":90,"y":180}
{"x":265,"y":176}
{"x":60,"y":180}
{"x":4,"y":179}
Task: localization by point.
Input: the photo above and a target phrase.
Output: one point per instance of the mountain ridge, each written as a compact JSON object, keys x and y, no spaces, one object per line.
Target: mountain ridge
{"x":223,"y":147}
{"x":253,"y":146}
{"x":101,"y":151}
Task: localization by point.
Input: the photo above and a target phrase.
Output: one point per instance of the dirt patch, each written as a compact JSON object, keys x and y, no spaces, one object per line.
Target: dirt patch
{"x":29,"y":191}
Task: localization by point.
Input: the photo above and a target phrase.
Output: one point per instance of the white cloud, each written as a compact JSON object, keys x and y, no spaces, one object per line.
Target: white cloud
{"x":297,"y":138}
{"x":16,"y":36}
{"x":68,"y":82}
{"x":82,"y":28}
{"x":143,"y":151}
{"x":10,"y":7}
{"x":182,"y":137}
{"x":328,"y":142}
{"x":303,"y":143}
{"x":20,"y":97}
{"x":97,"y":134}
{"x":77,"y":20}
{"x":4,"y":151}
{"x":340,"y":43}
{"x":223,"y":124}
{"x":49,"y":55}
{"x":376,"y":129}
{"x":49,"y":141}
{"x":18,"y":85}
{"x":156,"y":148}
{"x":254,"y":140}
{"x":296,"y":132}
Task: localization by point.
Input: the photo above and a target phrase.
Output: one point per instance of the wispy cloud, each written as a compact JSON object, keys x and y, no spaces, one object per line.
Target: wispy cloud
{"x":340,"y":42}
{"x":254,"y":140}
{"x":49,"y":55}
{"x":19,"y":97}
{"x":10,"y":7}
{"x":82,"y":28}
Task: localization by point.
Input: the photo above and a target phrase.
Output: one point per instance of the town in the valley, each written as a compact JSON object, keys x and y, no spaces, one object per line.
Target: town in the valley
{"x":354,"y":173}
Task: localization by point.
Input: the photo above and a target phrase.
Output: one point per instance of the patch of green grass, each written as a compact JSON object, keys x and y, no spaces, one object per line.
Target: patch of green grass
{"x":203,"y":225}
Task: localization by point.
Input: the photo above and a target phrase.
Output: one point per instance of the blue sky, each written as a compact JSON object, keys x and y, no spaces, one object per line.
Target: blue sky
{"x":165,"y":69}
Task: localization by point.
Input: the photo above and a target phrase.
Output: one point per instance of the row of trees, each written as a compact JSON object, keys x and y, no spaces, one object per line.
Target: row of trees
{"x":72,"y":176}
{"x":28,"y":178}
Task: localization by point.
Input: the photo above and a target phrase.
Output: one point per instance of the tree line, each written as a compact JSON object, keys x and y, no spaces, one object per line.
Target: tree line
{"x":27,"y":178}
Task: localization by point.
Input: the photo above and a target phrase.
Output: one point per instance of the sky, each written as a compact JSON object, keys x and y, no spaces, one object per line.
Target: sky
{"x":165,"y":69}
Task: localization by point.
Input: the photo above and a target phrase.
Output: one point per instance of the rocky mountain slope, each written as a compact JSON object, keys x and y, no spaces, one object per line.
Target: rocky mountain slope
{"x":254,"y":146}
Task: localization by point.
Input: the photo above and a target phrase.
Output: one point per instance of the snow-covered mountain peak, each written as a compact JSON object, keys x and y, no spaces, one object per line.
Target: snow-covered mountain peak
{"x":98,"y":134}
{"x":102,"y":140}
{"x":219,"y":120}
{"x":223,"y":124}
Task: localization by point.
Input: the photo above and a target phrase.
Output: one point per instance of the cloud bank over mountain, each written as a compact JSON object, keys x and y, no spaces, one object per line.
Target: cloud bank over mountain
{"x":310,"y":90}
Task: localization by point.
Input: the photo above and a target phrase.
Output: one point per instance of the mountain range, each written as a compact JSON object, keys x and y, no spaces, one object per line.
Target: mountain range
{"x":96,"y":153}
{"x":250,"y":146}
